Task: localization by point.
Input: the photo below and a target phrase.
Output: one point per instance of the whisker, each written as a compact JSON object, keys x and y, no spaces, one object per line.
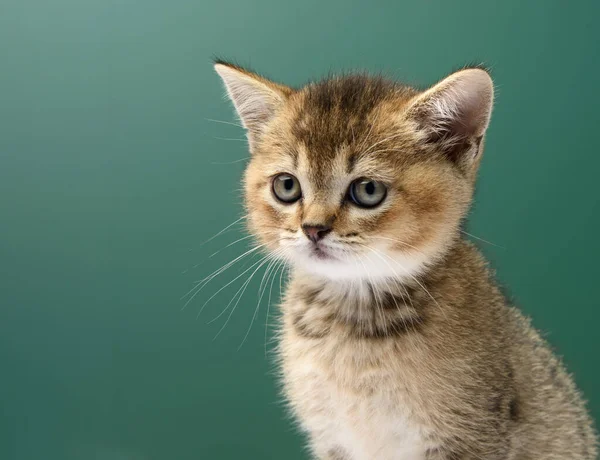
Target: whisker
{"x":198,"y":288}
{"x":224,"y":122}
{"x":360,"y":304}
{"x":221,"y":163}
{"x":382,"y":141}
{"x":228,"y":284}
{"x":282,"y":266}
{"x":280,"y":281}
{"x":413,"y":278}
{"x":220,"y":270}
{"x":230,"y":244}
{"x":481,"y":239}
{"x":235,"y":296}
{"x":366,"y":138}
{"x":375,"y":293}
{"x":400,"y":242}
{"x":222,"y":231}
{"x":230,"y":139}
{"x":266,"y":274}
{"x":381,"y":151}
{"x":265,"y":260}
{"x":237,"y":241}
{"x":398,"y":284}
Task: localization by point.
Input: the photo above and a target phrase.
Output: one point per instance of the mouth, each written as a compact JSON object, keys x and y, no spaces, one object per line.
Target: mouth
{"x":320,"y":253}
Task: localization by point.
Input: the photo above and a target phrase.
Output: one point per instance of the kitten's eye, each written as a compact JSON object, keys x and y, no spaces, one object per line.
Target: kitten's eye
{"x":286,"y":188}
{"x":367,"y":193}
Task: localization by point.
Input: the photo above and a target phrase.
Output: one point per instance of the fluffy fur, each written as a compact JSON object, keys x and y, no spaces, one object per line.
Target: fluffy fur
{"x":396,"y":342}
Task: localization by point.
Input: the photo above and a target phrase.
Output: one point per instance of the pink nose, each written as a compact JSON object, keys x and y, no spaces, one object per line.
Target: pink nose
{"x":315,"y":232}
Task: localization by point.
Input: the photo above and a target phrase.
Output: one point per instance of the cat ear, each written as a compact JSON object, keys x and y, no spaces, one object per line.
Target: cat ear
{"x":255,"y":98}
{"x":454,"y":114}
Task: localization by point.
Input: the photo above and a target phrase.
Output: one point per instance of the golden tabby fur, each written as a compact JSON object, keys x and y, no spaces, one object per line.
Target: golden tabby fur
{"x":396,"y":342}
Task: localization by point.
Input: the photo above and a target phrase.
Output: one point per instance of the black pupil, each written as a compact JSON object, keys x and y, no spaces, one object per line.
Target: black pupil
{"x":370,"y":188}
{"x":288,"y":184}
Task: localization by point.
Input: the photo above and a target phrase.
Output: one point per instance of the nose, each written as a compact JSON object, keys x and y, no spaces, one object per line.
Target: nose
{"x":315,"y":232}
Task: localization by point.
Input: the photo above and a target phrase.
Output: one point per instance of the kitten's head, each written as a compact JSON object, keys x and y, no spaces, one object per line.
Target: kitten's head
{"x":359,"y":177}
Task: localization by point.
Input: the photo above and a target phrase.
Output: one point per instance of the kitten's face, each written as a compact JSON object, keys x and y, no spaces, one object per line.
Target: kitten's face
{"x":344,"y":182}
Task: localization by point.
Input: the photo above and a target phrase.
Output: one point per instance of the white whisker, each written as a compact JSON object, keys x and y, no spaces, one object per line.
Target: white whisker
{"x":230,"y":139}
{"x":265,"y":260}
{"x":222,"y":231}
{"x":481,"y":239}
{"x":239,"y":160}
{"x":282,"y":267}
{"x":224,"y":122}
{"x":230,"y":244}
{"x":241,"y":289}
{"x":266,"y":274}
{"x":399,"y":242}
{"x":362,"y":145}
{"x":414,"y":279}
{"x":382,"y":141}
{"x":203,"y":282}
{"x":397,"y":277}
{"x":375,"y":293}
{"x":232,"y":281}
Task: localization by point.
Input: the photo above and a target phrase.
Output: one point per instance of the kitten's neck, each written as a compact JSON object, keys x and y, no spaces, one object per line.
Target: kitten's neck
{"x":369,"y":308}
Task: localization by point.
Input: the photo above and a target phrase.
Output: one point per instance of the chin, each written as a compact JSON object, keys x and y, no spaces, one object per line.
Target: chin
{"x":359,"y":267}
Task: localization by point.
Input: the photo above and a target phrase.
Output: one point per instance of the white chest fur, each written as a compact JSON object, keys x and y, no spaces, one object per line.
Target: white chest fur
{"x":350,"y":402}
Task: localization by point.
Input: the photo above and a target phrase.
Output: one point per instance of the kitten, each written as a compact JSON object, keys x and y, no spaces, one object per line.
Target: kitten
{"x":396,"y":342}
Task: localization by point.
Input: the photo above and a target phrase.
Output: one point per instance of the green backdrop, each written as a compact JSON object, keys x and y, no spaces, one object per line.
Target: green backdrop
{"x":112,"y":175}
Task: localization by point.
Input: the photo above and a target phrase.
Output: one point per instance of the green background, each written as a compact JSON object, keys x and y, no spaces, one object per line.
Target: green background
{"x":111,"y":177}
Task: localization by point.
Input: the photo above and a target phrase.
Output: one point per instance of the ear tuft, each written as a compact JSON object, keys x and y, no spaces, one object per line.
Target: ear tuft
{"x":455,"y":113}
{"x":255,"y":98}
